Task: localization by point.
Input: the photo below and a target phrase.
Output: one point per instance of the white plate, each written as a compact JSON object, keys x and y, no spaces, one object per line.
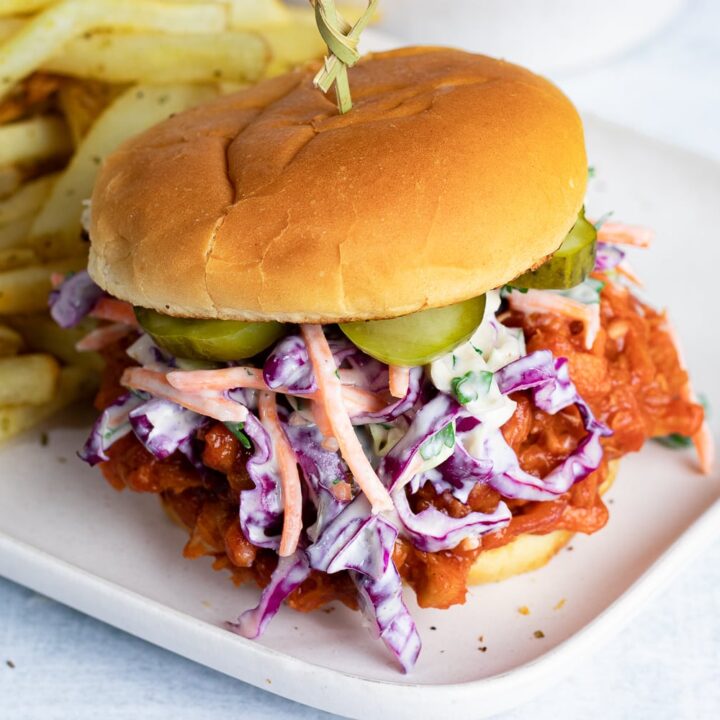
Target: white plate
{"x":66,"y":534}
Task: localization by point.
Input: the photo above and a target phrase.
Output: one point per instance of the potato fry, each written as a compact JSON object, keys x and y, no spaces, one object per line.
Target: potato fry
{"x":26,"y":290}
{"x":10,"y":181}
{"x":82,"y":102}
{"x":73,"y":384}
{"x":27,"y":200}
{"x":46,"y":33}
{"x":251,"y":14}
{"x":15,"y":233}
{"x":13,"y":258}
{"x":9,"y":25}
{"x":293,"y":44}
{"x":38,"y":138}
{"x":237,"y":56}
{"x":22,"y":7}
{"x":56,"y":230}
{"x":28,"y":379}
{"x":30,"y":97}
{"x":10,"y":341}
{"x":40,"y":333}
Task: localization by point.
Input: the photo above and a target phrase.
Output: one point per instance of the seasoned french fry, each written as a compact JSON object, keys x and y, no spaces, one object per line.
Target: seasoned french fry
{"x":10,"y":180}
{"x":41,"y":334}
{"x":15,"y":232}
{"x":237,"y":56}
{"x":10,"y":341}
{"x":27,"y":200}
{"x":46,"y":33}
{"x":26,"y":290}
{"x":22,"y":7}
{"x":56,"y":230}
{"x":9,"y":25}
{"x":28,"y":379}
{"x":38,"y":138}
{"x":251,"y":14}
{"x":74,"y":384}
{"x":17,"y":258}
{"x":293,"y":44}
{"x":83,"y":101}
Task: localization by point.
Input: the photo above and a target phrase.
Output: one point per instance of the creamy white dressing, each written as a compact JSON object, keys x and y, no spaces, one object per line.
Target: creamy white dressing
{"x":462,"y":371}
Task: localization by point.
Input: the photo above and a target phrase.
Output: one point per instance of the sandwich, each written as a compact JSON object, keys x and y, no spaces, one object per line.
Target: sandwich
{"x":352,"y":351}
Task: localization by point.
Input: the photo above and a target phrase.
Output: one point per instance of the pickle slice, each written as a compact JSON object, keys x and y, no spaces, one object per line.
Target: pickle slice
{"x":219,"y":340}
{"x":569,"y":265}
{"x":419,"y":338}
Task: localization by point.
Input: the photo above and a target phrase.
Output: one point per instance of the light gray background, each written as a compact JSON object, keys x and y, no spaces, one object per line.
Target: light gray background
{"x":665,"y":665}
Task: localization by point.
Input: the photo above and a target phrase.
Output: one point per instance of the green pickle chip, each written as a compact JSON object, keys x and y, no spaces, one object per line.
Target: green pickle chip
{"x":569,"y":265}
{"x":420,"y":337}
{"x":219,"y":340}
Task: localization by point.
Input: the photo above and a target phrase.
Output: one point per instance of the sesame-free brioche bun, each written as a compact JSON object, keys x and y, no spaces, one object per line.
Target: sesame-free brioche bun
{"x":452,"y":174}
{"x":527,"y":551}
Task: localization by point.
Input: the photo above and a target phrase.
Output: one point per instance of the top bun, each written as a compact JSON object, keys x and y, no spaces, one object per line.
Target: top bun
{"x":452,"y":174}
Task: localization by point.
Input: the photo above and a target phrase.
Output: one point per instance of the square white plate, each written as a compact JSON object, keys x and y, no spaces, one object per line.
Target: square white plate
{"x":66,"y":534}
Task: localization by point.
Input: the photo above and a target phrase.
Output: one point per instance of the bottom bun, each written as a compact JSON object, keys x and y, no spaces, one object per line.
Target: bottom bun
{"x":527,"y":552}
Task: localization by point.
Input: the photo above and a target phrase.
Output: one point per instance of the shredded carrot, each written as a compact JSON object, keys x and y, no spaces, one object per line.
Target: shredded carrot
{"x":322,"y":421}
{"x":102,"y":337}
{"x":356,"y":399}
{"x":330,"y":395}
{"x":114,"y":310}
{"x":703,"y":438}
{"x":289,"y":477}
{"x":626,"y":271}
{"x":622,"y":234}
{"x":542,"y":301}
{"x":399,"y":380}
{"x":57,"y":279}
{"x":222,"y":379}
{"x":211,"y":404}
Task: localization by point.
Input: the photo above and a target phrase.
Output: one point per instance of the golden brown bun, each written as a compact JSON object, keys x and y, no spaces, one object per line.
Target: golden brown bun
{"x":526,"y":552}
{"x":452,"y":174}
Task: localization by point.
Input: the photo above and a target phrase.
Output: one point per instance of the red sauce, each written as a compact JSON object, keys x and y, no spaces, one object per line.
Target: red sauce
{"x":631,"y":378}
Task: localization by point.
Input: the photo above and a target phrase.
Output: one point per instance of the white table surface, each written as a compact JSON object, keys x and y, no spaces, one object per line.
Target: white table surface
{"x":56,"y":663}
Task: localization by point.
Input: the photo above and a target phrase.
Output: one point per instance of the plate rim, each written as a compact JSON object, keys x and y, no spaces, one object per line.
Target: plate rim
{"x":43,"y":572}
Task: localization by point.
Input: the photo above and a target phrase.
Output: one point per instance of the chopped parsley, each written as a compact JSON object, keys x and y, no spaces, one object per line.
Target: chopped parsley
{"x":470,"y":386}
{"x":237,"y":430}
{"x":434,"y":445}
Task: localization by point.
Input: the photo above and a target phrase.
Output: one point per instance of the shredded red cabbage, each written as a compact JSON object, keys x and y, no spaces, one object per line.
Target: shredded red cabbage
{"x":73,"y":299}
{"x":261,"y":507}
{"x":358,"y":541}
{"x":164,"y":427}
{"x":289,"y":574}
{"x":607,"y":256}
{"x":112,"y":424}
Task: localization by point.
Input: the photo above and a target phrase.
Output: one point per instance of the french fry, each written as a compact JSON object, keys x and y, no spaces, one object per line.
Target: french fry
{"x":42,"y":37}
{"x":13,"y":258}
{"x":82,"y":102}
{"x":10,"y":341}
{"x":41,"y":333}
{"x":56,"y":230}
{"x":237,"y":56}
{"x":23,"y":7}
{"x":26,"y":290}
{"x":28,"y":379}
{"x":27,"y":200}
{"x":9,"y":25}
{"x":73,"y":384}
{"x":251,"y":14}
{"x":33,"y":140}
{"x":15,"y":232}
{"x":10,"y":180}
{"x":293,"y":44}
